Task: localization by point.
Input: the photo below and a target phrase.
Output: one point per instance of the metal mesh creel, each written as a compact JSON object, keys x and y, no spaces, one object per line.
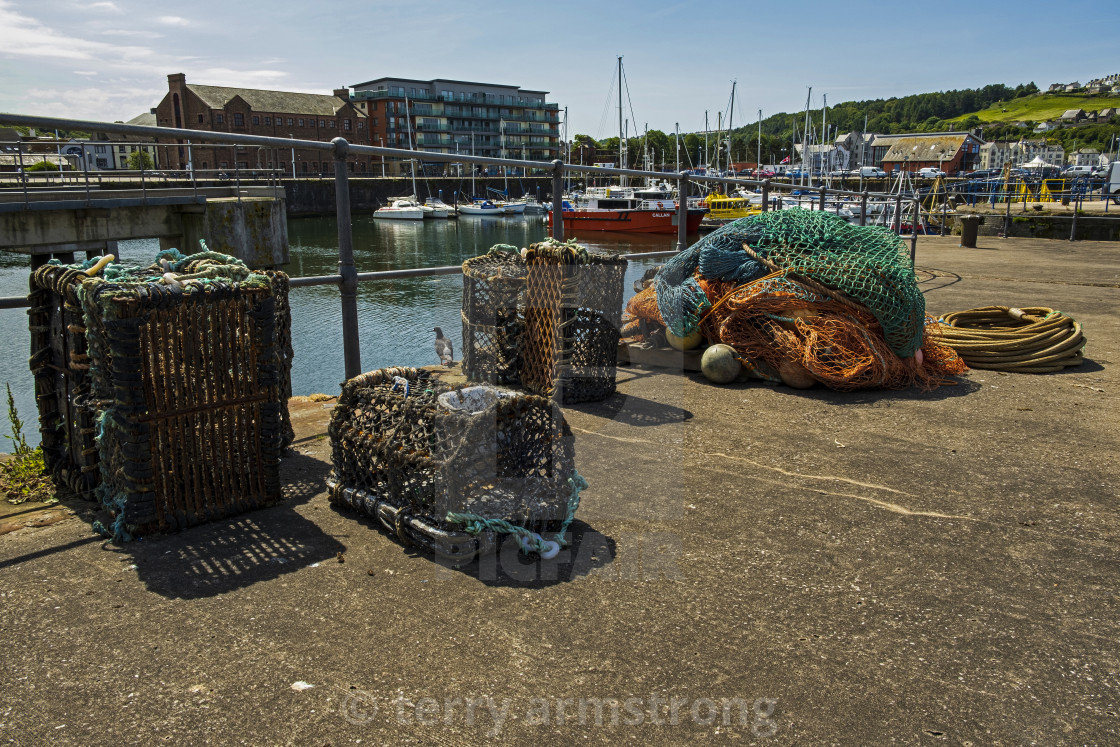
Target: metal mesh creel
{"x":402,"y":458}
{"x":166,"y":402}
{"x":493,"y":294}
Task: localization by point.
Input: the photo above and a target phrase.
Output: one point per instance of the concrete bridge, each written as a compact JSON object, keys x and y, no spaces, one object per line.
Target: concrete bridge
{"x":249,"y":223}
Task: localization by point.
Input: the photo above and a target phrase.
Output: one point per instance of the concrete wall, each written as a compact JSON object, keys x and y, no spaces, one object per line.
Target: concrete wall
{"x":254,"y":230}
{"x":1049,"y":227}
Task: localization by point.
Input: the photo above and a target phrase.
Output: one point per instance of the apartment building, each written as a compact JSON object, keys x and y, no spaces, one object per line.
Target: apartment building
{"x":251,"y":111}
{"x":994,"y":154}
{"x":453,"y":116}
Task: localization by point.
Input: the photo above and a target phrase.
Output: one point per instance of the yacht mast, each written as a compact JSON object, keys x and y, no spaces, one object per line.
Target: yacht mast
{"x":805,"y":136}
{"x":730,"y":129}
{"x":621,"y":156}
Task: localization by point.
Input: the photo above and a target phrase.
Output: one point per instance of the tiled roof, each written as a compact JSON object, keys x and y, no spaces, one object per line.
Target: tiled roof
{"x":147,"y":118}
{"x":284,"y":102}
{"x":922,"y":148}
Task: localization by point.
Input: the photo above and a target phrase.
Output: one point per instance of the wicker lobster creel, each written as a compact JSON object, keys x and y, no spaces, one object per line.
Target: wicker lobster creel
{"x":546,"y":319}
{"x":449,"y":469}
{"x":165,"y":402}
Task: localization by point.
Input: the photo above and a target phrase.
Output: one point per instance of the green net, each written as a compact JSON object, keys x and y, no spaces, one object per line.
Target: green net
{"x":869,"y":264}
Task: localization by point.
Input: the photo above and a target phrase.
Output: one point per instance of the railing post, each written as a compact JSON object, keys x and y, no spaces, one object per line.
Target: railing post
{"x":823,"y":191}
{"x":682,"y":211}
{"x":348,"y":286}
{"x":863,"y":209}
{"x":22,"y":174}
{"x":85,"y":170}
{"x":765,"y":195}
{"x":896,"y":219}
{"x":558,"y":200}
{"x":1073,"y":223}
{"x":237,"y":175}
{"x":1007,"y":213}
{"x":914,"y":230}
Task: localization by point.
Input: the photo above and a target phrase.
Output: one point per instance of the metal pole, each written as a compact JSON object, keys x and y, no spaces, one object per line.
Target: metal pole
{"x":863,"y":209}
{"x":822,"y":198}
{"x":1073,"y":224}
{"x":1007,"y":214}
{"x":22,"y":174}
{"x":558,"y":199}
{"x":682,"y":211}
{"x":896,"y":219}
{"x":85,"y":169}
{"x":348,"y":287}
{"x":237,"y":175}
{"x":190,"y":163}
{"x":914,"y":232}
{"x":765,"y":195}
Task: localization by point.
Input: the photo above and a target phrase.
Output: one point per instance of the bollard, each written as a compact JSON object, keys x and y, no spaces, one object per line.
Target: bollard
{"x":970,"y":227}
{"x":1073,"y":223}
{"x":348,"y":285}
{"x":823,"y":193}
{"x":765,"y":195}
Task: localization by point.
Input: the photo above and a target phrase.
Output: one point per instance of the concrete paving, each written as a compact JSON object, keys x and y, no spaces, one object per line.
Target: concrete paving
{"x":751,"y":564}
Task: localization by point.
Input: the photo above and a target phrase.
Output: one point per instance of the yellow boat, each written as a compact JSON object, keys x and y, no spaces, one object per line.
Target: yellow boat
{"x":722,"y":207}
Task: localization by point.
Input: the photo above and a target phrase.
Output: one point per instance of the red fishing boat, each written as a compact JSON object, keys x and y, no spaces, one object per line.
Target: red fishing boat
{"x":633,"y":210}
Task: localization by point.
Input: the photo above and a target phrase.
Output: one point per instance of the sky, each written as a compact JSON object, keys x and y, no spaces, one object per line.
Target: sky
{"x":109,"y":60}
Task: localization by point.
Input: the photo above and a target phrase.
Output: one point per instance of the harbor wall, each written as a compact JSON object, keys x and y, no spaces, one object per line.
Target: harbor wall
{"x":1089,"y":228}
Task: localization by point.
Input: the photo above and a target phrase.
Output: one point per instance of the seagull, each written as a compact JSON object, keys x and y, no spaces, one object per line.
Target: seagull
{"x":443,"y":348}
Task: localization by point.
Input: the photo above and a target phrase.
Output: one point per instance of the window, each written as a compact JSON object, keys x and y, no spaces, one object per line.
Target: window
{"x":205,"y":165}
{"x":346,"y":124}
{"x":238,"y":119}
{"x":120,"y":149}
{"x":361,"y":125}
{"x":221,"y":118}
{"x":322,"y":123}
{"x":374,"y":122}
{"x":300,"y":123}
{"x":99,"y":149}
{"x":289,"y":121}
{"x":256,"y":119}
{"x":324,"y":167}
{"x":200,"y":119}
{"x":224,"y":165}
{"x":332,"y":124}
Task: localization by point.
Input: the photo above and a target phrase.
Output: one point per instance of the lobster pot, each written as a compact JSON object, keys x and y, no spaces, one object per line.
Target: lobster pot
{"x":493,"y":291}
{"x":573,"y":312}
{"x":166,"y":403}
{"x":61,"y":367}
{"x":417,"y":455}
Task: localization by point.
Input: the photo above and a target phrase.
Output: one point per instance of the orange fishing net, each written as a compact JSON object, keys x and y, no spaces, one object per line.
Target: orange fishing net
{"x":782,"y":322}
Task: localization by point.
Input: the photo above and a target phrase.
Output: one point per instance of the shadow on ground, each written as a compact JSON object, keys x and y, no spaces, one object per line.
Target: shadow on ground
{"x":236,"y":552}
{"x":587,"y":549}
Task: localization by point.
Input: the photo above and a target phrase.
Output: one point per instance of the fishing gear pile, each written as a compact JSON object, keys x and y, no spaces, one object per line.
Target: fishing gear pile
{"x":545,"y":318}
{"x":450,"y":470}
{"x":163,"y":390}
{"x":803,"y":297}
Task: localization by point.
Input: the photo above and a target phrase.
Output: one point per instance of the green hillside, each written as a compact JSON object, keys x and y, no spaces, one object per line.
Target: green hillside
{"x":1039,"y":108}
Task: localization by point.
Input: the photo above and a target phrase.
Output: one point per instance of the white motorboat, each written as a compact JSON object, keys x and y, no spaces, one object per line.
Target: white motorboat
{"x":440,"y":209}
{"x":402,"y":209}
{"x":484,"y":207}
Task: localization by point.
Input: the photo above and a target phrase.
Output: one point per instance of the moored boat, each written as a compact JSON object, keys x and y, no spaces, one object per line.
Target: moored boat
{"x":484,"y":207}
{"x":646,"y":210}
{"x":402,"y":209}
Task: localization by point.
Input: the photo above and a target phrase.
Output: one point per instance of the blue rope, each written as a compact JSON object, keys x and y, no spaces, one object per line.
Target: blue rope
{"x":530,"y":541}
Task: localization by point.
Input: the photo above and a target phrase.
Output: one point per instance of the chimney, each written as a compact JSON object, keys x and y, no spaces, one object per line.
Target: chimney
{"x":177,"y":78}
{"x":342,"y":93}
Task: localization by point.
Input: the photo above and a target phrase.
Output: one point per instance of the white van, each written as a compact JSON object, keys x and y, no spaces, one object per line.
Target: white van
{"x":872,"y":172}
{"x":1075,"y":171}
{"x":1113,"y":186}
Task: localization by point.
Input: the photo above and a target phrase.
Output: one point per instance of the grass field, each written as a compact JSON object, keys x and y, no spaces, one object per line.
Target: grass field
{"x":1041,"y":107}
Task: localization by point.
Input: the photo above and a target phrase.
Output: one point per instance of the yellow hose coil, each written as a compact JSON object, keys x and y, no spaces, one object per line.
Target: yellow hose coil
{"x":1002,"y":338}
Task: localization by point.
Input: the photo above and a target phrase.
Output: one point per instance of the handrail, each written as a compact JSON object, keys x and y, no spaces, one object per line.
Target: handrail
{"x":348,"y":277}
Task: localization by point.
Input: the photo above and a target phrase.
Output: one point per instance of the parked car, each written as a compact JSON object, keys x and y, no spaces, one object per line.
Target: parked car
{"x":930,"y":172}
{"x":766,"y":173}
{"x":982,"y":174}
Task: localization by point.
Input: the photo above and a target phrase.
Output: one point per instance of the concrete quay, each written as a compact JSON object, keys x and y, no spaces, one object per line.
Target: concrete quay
{"x":833,"y":568}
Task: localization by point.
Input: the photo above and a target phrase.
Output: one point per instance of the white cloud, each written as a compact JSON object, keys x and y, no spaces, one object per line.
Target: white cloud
{"x":223,"y":76}
{"x":105,"y":5}
{"x":24,"y":36}
{"x":101,"y":103}
{"x":85,"y":72}
{"x":173,"y":21}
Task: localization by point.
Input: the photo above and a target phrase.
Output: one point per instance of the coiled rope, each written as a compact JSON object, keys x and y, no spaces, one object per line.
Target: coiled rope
{"x":1002,"y":338}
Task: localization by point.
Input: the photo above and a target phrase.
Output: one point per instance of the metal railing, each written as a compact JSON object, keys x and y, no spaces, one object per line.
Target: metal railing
{"x":339,"y":149}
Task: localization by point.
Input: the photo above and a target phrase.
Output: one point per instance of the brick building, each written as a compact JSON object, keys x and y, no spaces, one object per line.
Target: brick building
{"x":251,"y":111}
{"x":452,"y":116}
{"x":949,"y":151}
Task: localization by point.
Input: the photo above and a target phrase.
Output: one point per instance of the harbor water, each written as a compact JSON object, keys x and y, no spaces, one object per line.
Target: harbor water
{"x":396,"y":317}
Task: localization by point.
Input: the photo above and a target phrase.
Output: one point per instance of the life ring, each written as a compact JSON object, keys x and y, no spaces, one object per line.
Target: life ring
{"x":660,"y":206}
